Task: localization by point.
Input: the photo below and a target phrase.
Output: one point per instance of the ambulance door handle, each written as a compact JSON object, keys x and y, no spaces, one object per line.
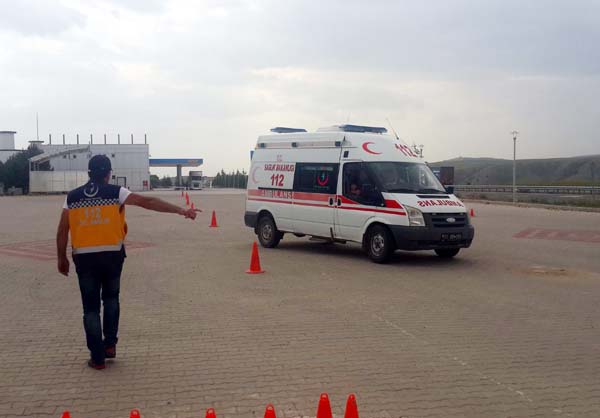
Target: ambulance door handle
{"x":339,"y":202}
{"x":331,"y":201}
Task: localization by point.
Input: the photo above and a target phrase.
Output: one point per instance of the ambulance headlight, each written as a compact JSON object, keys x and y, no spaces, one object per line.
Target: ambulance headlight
{"x":415,"y":216}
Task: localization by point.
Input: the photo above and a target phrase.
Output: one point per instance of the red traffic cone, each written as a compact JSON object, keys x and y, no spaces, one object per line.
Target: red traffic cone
{"x":255,"y":262}
{"x":351,"y":408}
{"x":324,"y":409}
{"x":472,"y":213}
{"x":210,"y":413}
{"x":213,"y":221}
{"x":182,"y":193}
{"x":270,"y":411}
{"x":193,"y":205}
{"x":134,"y":414}
{"x":66,"y":414}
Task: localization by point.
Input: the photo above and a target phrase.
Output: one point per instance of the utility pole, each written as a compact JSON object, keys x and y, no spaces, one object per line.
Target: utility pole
{"x":514,"y":188}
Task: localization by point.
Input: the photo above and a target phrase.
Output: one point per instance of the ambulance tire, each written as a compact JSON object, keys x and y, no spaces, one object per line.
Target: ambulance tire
{"x":379,"y":244}
{"x":447,"y":252}
{"x":268,"y":234}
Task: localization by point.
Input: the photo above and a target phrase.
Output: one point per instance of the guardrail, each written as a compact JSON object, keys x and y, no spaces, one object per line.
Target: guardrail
{"x":584,"y":190}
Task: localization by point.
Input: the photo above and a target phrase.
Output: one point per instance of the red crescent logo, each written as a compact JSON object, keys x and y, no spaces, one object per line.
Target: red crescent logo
{"x":365,"y":146}
{"x":324,"y":181}
{"x":254,"y":174}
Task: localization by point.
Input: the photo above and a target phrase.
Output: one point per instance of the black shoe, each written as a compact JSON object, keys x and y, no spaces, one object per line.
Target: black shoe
{"x":110,"y":351}
{"x":98,"y":366}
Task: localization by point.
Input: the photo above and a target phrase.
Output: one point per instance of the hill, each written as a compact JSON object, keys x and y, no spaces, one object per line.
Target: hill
{"x":551,"y":171}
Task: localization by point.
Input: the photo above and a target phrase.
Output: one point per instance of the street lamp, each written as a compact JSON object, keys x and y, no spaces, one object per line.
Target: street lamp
{"x":514,"y":188}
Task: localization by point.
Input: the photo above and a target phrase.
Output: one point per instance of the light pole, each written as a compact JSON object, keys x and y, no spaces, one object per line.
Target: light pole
{"x":514,"y":188}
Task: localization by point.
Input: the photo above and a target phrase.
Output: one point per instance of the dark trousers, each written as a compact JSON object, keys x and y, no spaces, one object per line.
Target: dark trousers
{"x":100,"y":278}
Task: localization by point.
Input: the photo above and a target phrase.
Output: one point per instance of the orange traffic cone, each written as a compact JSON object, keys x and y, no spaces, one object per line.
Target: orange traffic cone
{"x":324,"y":409}
{"x":255,"y":262}
{"x":472,"y":213}
{"x":66,"y":414}
{"x":351,"y":408}
{"x":213,"y":221}
{"x":134,"y":414}
{"x":270,"y":411}
{"x":210,"y":413}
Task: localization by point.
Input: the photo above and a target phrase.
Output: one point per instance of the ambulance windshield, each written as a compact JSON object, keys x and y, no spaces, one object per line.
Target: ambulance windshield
{"x":400,"y":177}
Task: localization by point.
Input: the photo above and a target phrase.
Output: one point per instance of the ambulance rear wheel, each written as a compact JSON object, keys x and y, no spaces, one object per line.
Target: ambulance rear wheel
{"x":268,"y":234}
{"x":379,"y":244}
{"x":447,"y":252}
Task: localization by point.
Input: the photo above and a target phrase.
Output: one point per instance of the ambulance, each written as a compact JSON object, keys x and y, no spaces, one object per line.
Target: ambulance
{"x":351,"y":183}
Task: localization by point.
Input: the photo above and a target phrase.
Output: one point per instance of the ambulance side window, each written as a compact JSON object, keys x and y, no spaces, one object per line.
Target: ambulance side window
{"x":316,"y":178}
{"x":359,"y":186}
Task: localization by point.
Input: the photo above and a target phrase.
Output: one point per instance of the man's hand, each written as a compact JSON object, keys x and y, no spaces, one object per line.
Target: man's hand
{"x":63,"y":265}
{"x":189,"y":213}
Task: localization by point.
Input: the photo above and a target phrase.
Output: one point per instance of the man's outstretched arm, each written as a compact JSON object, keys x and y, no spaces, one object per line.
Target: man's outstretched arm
{"x":159,"y":205}
{"x":62,"y":238}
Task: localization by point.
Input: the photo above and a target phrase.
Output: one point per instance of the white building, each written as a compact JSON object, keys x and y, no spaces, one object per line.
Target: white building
{"x":7,"y":145}
{"x":61,"y":168}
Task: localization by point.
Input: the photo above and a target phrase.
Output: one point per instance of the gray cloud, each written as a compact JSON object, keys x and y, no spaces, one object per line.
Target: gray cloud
{"x":38,"y":17}
{"x":456,"y":76}
{"x":142,"y":6}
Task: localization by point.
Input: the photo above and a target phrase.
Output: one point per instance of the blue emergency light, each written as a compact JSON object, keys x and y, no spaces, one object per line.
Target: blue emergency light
{"x":363,"y":129}
{"x":284,"y":130}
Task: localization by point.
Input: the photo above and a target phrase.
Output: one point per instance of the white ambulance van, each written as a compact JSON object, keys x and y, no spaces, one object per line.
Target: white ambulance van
{"x":351,"y":183}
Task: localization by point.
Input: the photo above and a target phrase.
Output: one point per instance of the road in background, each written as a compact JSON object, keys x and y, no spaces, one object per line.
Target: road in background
{"x":508,"y":328}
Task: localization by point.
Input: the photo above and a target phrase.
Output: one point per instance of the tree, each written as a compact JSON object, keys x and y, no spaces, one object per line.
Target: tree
{"x":154,"y":181}
{"x":1,"y":175}
{"x":231,"y":180}
{"x":16,"y":168}
{"x":166,"y":182}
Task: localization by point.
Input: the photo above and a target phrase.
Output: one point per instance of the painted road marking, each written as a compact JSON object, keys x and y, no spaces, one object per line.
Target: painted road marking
{"x":46,"y":250}
{"x":559,"y":235}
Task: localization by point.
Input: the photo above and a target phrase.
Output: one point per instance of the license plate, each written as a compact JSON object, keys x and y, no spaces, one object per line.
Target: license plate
{"x":451,"y":237}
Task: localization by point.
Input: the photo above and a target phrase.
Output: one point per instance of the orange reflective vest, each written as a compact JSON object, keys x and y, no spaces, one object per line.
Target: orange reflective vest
{"x":96,"y":218}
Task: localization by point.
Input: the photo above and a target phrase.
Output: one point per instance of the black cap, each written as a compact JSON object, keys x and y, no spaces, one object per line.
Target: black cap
{"x":99,"y":166}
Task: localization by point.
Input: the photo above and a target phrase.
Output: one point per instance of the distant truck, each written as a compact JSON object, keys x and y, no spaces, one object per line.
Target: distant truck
{"x":195,"y":180}
{"x":445,"y":175}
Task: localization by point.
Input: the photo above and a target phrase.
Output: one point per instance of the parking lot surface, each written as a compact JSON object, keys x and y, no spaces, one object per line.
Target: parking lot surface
{"x":507,"y":329}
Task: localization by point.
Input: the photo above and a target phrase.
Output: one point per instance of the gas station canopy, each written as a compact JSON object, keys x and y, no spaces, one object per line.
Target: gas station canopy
{"x":175,"y":162}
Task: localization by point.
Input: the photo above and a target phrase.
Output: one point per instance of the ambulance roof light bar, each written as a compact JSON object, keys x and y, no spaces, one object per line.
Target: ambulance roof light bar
{"x":284,"y":130}
{"x":363,"y":129}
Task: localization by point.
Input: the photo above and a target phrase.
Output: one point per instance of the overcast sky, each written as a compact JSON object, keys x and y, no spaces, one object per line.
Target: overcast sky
{"x":205,"y":78}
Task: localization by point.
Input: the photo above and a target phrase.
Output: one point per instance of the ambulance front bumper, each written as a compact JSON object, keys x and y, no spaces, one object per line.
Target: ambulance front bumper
{"x":412,"y":238}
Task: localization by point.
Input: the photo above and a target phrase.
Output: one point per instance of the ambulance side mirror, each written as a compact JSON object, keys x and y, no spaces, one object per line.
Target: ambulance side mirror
{"x":449,"y":189}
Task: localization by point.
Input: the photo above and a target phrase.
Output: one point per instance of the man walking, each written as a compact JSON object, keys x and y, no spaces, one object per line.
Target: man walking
{"x":95,"y":215}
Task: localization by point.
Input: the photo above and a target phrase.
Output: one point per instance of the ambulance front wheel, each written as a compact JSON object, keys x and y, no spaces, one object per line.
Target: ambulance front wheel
{"x":447,"y":252}
{"x":268,"y":234}
{"x":379,"y":244}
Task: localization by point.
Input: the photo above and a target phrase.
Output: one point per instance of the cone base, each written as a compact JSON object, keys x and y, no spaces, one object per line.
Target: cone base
{"x":254,"y":272}
{"x":213,"y":226}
